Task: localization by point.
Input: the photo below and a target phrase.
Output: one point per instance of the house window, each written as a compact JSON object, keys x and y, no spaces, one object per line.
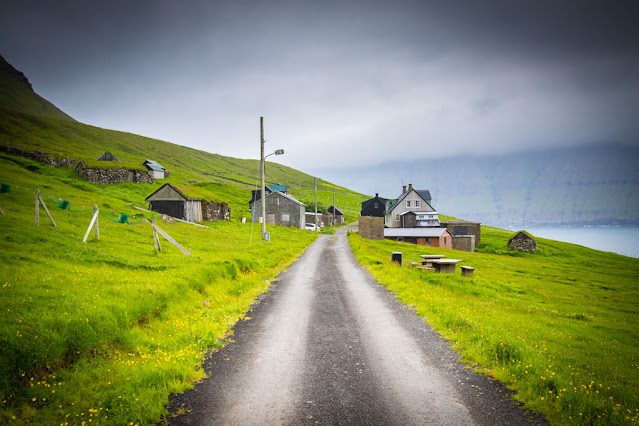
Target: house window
{"x":421,"y":216}
{"x":400,"y":239}
{"x":407,"y":203}
{"x":428,"y":240}
{"x":270,"y":218}
{"x":285,"y":217}
{"x":376,"y":205}
{"x":276,"y":201}
{"x":396,"y":217}
{"x":416,"y":203}
{"x":445,"y":238}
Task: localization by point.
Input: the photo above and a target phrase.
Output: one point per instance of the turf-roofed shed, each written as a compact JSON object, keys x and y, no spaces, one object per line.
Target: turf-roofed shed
{"x":187,"y":203}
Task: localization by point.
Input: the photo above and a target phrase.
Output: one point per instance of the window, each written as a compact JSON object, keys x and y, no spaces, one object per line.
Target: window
{"x":285,"y":217}
{"x":445,"y":238}
{"x":376,"y":205}
{"x":270,"y":218}
{"x":396,"y":217}
{"x":276,"y":201}
{"x":416,"y":203}
{"x":407,"y":203}
{"x":421,"y":216}
{"x":400,"y":239}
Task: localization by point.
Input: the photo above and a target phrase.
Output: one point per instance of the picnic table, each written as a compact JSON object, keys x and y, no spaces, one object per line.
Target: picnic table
{"x":428,"y":259}
{"x":446,"y":266}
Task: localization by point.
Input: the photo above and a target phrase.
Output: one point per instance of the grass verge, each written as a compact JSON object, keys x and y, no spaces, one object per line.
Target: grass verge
{"x":102,"y":332}
{"x":558,"y":327}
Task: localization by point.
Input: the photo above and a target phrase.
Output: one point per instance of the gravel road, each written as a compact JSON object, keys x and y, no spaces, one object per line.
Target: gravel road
{"x":328,"y":345}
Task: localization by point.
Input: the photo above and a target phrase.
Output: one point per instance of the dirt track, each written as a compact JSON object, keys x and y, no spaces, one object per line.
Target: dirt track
{"x":328,"y":345}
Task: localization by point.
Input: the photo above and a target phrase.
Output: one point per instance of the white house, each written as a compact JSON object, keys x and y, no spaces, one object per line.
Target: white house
{"x":411,"y":209}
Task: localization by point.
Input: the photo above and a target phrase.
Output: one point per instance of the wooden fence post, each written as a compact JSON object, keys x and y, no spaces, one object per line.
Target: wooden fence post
{"x":93,"y":220}
{"x":156,"y":239}
{"x":44,"y":206}
{"x":37,"y":207}
{"x":97,"y":224}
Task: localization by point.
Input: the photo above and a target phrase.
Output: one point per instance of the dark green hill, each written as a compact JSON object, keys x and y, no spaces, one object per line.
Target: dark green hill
{"x":16,"y":94}
{"x":30,"y":123}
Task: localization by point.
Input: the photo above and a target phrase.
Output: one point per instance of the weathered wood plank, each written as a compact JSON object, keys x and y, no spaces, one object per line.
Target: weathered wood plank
{"x":93,"y":219}
{"x":171,"y":240}
{"x":45,"y":208}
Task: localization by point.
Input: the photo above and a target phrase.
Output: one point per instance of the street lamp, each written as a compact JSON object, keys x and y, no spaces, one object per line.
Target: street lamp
{"x":262,"y":159}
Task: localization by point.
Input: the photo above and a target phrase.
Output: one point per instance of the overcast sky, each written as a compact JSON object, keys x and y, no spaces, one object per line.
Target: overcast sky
{"x":339,"y":83}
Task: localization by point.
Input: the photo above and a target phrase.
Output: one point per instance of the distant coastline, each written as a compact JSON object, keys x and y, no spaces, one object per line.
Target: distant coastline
{"x":621,"y":239}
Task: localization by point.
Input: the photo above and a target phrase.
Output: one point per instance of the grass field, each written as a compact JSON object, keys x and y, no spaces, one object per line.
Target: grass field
{"x":104,"y":331}
{"x":558,"y":327}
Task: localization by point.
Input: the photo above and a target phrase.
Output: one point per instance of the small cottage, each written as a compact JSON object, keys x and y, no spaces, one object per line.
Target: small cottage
{"x":182,"y":202}
{"x":155,"y":169}
{"x":522,"y":240}
{"x":462,"y":230}
{"x":336,"y":215}
{"x":281,"y":209}
{"x":170,"y":200}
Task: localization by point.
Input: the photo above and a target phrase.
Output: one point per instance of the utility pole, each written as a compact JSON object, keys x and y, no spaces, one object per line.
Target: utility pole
{"x":334,"y":207}
{"x":263,"y":184}
{"x":315,"y":190}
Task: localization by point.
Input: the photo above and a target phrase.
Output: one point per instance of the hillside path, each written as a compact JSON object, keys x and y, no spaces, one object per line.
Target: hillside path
{"x":329,"y":345}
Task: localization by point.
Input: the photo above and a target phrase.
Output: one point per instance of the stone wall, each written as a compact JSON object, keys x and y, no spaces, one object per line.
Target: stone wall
{"x":212,"y":211}
{"x":40,"y":156}
{"x":110,"y":176}
{"x":371,"y":228}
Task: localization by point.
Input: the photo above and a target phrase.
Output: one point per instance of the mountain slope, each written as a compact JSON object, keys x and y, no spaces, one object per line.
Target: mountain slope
{"x":16,"y":94}
{"x":28,"y":123}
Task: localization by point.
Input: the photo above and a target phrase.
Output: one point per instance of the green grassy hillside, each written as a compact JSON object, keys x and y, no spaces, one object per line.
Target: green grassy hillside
{"x":559,"y":327}
{"x":104,"y":331}
{"x":28,"y":123}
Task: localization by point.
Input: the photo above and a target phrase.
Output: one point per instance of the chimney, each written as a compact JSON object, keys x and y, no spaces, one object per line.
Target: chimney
{"x":376,"y":195}
{"x":410,"y":186}
{"x":403,"y":188}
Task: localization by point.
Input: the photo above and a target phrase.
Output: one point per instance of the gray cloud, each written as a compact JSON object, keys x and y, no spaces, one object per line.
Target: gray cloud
{"x":345,"y":83}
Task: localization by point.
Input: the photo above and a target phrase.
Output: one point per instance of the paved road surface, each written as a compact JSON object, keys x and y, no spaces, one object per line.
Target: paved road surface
{"x":328,"y":345}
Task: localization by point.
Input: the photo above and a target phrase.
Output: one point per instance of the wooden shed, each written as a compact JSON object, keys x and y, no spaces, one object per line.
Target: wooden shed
{"x":171,"y":200}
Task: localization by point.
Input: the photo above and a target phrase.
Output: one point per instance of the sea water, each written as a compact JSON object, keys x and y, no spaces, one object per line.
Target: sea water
{"x":617,"y":239}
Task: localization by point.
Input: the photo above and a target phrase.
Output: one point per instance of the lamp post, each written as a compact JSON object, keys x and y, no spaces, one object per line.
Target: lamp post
{"x":262,"y":160}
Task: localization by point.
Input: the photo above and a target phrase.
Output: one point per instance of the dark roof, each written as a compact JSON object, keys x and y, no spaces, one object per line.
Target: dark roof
{"x":338,"y":212}
{"x":366,"y":203}
{"x":290,"y":197}
{"x":107,"y":156}
{"x":420,"y":192}
{"x":181,"y":193}
{"x":425,"y":194}
{"x":256,"y":194}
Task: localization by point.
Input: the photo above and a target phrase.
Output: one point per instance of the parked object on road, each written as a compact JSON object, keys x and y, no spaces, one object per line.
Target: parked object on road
{"x":311,"y":227}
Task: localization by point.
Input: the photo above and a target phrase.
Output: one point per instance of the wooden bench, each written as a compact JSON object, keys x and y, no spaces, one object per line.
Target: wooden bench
{"x":467,"y":271}
{"x":425,"y":268}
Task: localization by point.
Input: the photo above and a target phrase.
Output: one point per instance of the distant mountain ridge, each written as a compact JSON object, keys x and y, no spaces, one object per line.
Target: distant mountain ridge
{"x":595,"y":185}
